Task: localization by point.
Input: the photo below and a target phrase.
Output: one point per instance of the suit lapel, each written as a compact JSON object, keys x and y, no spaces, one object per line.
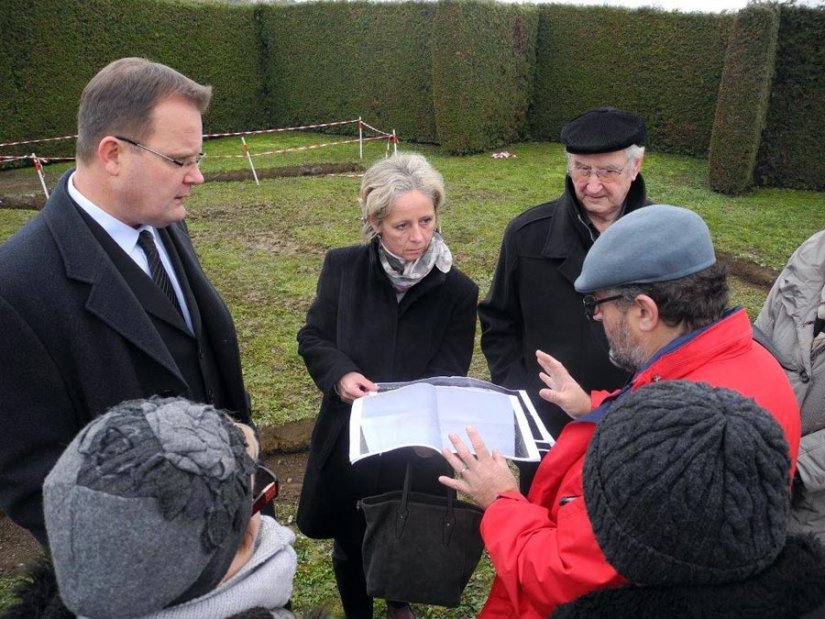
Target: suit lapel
{"x":110,"y":298}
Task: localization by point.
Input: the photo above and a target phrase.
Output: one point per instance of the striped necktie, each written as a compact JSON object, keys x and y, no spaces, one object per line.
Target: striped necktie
{"x":159,"y":274}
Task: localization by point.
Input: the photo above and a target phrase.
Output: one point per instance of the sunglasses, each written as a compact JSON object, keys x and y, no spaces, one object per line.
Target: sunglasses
{"x":265,"y":489}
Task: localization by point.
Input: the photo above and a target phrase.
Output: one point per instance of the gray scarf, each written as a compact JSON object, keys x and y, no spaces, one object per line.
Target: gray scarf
{"x":404,"y":275}
{"x":265,"y":580}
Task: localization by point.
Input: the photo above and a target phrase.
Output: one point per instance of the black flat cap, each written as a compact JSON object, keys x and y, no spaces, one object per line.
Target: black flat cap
{"x":603,"y":130}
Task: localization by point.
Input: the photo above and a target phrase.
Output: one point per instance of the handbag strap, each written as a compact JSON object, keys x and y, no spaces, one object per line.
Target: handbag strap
{"x":403,"y":510}
{"x":449,"y":517}
{"x":403,"y":514}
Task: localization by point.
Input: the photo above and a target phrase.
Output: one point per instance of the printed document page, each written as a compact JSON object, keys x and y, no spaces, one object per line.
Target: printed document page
{"x":423,"y":414}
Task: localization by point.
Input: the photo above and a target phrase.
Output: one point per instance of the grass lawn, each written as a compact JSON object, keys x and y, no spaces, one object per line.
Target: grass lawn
{"x":262,"y":247}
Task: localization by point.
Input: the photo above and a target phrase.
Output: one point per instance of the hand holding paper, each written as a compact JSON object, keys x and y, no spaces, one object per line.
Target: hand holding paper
{"x":354,"y":385}
{"x":483,"y":476}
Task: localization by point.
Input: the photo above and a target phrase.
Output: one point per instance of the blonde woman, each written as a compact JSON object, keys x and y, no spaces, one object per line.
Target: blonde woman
{"x":393,"y":308}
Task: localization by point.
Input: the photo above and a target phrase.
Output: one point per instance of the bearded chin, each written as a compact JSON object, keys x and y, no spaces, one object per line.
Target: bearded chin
{"x":623,"y":362}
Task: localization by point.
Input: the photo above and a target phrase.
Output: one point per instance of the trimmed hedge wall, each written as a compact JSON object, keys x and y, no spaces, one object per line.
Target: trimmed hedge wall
{"x":743,"y":99}
{"x":664,"y":66}
{"x":468,"y":75}
{"x":792,"y":152}
{"x":336,"y":61}
{"x":51,"y":48}
{"x":483,"y":62}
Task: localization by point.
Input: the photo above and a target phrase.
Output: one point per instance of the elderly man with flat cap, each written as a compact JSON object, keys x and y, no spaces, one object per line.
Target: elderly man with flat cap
{"x":532,"y":303}
{"x":653,"y":281}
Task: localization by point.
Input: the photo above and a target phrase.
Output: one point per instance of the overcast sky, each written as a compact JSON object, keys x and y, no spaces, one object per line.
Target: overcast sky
{"x":706,"y":6}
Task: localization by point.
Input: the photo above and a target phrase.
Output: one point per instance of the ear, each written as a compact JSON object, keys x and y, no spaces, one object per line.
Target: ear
{"x":636,"y":168}
{"x":647,"y":313}
{"x":374,"y":225}
{"x":109,"y":154}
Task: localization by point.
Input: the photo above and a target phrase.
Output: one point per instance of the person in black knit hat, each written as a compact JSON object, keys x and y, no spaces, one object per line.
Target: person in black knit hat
{"x":686,"y":486}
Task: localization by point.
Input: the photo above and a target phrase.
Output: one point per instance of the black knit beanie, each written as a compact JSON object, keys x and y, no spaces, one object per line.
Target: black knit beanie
{"x":686,"y":483}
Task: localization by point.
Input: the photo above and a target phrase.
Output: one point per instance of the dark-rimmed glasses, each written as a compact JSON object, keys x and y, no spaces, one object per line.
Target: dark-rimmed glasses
{"x":265,"y":489}
{"x":591,"y":302}
{"x":188,"y":163}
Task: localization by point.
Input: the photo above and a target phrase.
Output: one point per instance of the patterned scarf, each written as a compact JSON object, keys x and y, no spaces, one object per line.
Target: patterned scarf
{"x":404,"y":275}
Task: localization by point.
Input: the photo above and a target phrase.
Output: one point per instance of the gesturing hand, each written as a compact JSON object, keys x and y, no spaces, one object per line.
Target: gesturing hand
{"x":561,"y":389}
{"x":483,"y":476}
{"x":354,"y":385}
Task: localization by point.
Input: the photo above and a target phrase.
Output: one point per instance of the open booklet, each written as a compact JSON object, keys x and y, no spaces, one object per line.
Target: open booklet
{"x":422,"y":413}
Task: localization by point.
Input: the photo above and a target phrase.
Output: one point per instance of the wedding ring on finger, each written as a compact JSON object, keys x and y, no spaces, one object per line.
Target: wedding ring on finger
{"x":461,"y":472}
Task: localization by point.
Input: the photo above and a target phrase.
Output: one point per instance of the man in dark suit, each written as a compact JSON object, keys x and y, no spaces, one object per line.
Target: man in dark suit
{"x":102,"y":298}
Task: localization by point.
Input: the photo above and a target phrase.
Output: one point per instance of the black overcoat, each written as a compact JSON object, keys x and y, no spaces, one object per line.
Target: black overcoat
{"x":355,"y":324}
{"x":75,"y":341}
{"x":532,"y":303}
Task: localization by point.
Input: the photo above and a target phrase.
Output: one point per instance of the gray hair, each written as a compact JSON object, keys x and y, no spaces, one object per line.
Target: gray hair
{"x":388,"y":178}
{"x":121,"y":97}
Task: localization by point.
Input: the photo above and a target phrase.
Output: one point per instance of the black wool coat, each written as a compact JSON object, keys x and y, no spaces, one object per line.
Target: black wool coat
{"x":792,"y":587}
{"x":355,"y":324}
{"x":76,"y":340}
{"x":532,"y":303}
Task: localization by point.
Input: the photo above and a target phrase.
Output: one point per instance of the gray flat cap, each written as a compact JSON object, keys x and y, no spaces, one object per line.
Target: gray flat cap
{"x":657,"y":243}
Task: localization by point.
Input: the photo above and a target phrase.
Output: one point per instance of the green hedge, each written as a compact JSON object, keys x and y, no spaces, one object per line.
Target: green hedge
{"x":52,"y":48}
{"x":337,"y":61}
{"x":792,"y":152}
{"x":468,"y":75}
{"x":483,"y":63}
{"x":664,"y":66}
{"x":743,"y":99}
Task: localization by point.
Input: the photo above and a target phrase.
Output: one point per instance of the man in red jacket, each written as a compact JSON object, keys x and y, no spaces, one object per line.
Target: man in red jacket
{"x":654,"y":283}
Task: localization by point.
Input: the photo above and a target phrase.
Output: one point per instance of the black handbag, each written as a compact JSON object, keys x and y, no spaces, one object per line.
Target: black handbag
{"x":418,"y":547}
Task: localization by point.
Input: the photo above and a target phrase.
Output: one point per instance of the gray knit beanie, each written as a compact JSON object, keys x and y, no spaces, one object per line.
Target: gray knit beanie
{"x":685,"y":483}
{"x":147,"y":507}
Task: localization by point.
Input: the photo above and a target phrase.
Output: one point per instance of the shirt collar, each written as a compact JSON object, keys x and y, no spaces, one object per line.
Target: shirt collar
{"x":123,"y":234}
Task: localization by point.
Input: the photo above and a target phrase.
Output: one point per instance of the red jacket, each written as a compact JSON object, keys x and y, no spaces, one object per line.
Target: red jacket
{"x":543,"y":547}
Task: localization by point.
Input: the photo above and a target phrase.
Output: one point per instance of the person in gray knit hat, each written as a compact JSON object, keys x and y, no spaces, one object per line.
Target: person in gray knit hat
{"x":149,"y":513}
{"x":686,"y":486}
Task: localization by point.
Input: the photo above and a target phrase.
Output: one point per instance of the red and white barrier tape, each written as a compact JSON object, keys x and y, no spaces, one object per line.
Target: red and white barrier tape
{"x":216,"y":135}
{"x":370,"y":127}
{"x":295,"y":149}
{"x":4,"y":158}
{"x":279,"y":130}
{"x":37,"y":141}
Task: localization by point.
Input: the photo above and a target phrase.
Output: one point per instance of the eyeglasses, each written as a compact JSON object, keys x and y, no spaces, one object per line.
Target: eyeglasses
{"x":604,"y":174}
{"x":266,"y":487}
{"x":187,"y":163}
{"x":590,"y":303}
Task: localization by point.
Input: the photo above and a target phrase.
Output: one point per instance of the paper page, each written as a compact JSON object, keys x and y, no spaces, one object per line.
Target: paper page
{"x":545,"y":440}
{"x":449,"y":381}
{"x":399,"y":418}
{"x":498,"y":417}
{"x":417,"y":413}
{"x":489,"y":412}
